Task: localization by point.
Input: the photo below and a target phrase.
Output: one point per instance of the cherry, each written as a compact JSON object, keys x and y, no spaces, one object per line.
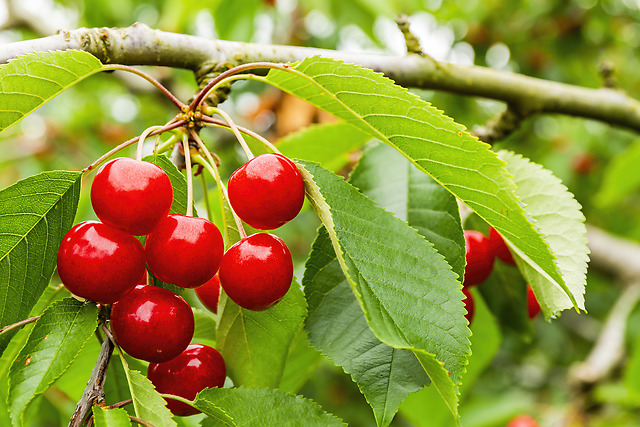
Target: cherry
{"x":523,"y":421}
{"x":196,"y":368}
{"x":267,"y":191}
{"x":479,"y":258}
{"x":100,"y":263}
{"x":131,"y":195}
{"x":499,"y":248}
{"x":152,"y":323}
{"x":533,"y":307}
{"x":209,"y":293}
{"x":256,"y":272}
{"x":470,"y":304}
{"x":184,"y":250}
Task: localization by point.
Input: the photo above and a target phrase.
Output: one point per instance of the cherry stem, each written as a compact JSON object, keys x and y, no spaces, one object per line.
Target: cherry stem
{"x":144,"y":136}
{"x":7,"y":328}
{"x":210,"y":121}
{"x":205,"y":196}
{"x":166,"y":146}
{"x":178,"y":398}
{"x":120,"y":404}
{"x":187,"y":159}
{"x":151,"y":80}
{"x":116,"y":345}
{"x":235,"y":131}
{"x":169,"y":126}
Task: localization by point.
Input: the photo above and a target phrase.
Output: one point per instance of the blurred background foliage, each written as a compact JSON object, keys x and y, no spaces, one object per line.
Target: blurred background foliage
{"x":513,"y":370}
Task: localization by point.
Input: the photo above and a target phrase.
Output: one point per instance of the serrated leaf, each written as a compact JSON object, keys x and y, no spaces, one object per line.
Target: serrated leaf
{"x":260,"y":407}
{"x":432,"y":141}
{"x":328,"y":144}
{"x":255,"y":344}
{"x":29,"y":81}
{"x":557,"y":214}
{"x":35,"y":213}
{"x":621,"y":177}
{"x":117,"y":417}
{"x":147,"y":402}
{"x":302,"y":362}
{"x":116,"y":385}
{"x":54,"y":343}
{"x":408,"y":292}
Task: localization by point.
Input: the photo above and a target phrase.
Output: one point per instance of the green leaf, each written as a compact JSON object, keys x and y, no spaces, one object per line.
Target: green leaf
{"x":328,"y":145}
{"x":35,"y":214}
{"x":302,"y":362}
{"x":432,"y":141}
{"x":408,"y":292}
{"x":255,"y":344}
{"x":205,"y":327}
{"x":621,"y":177}
{"x":29,"y":81}
{"x":260,"y":407}
{"x":557,"y":214}
{"x":116,"y":385}
{"x":54,"y":343}
{"x":147,"y":402}
{"x":110,"y":417}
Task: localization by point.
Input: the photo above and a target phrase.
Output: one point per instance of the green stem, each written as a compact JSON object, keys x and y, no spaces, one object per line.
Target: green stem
{"x":187,"y":159}
{"x":178,"y":398}
{"x":205,"y":196}
{"x":211,"y":122}
{"x":167,"y":145}
{"x":144,"y":136}
{"x":234,"y":129}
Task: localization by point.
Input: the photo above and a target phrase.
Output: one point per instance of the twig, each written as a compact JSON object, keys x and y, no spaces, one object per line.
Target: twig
{"x":614,"y":254}
{"x":500,"y":126}
{"x":7,"y":328}
{"x":141,"y":421}
{"x":410,"y":40}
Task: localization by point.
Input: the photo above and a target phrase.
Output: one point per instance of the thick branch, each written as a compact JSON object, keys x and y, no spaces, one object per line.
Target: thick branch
{"x":141,"y":45}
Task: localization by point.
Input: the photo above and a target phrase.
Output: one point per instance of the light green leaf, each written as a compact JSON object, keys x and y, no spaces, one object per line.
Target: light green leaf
{"x":557,"y":214}
{"x":432,"y":141}
{"x":205,"y":328}
{"x":328,"y":145}
{"x":255,"y":344}
{"x":117,"y":417}
{"x":302,"y":362}
{"x":54,"y":343}
{"x":260,"y":407}
{"x":147,"y":402}
{"x":621,"y":177}
{"x":29,"y":81}
{"x":408,"y":292}
{"x":35,"y":213}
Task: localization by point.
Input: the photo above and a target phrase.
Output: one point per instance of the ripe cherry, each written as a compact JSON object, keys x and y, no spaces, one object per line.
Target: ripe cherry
{"x":256,"y":272}
{"x":499,"y":248}
{"x":209,"y":293}
{"x":100,"y":263}
{"x":196,"y":368}
{"x":267,"y":191}
{"x":479,"y":258}
{"x":533,"y":307}
{"x":152,"y":323}
{"x":184,"y":250}
{"x":523,"y":421}
{"x":131,"y":195}
{"x":470,"y":304}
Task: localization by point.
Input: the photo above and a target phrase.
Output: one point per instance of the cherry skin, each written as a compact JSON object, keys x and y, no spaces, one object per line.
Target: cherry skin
{"x":267,"y":191}
{"x":131,"y":195}
{"x":100,"y":263}
{"x":499,"y":248}
{"x":184,"y":250}
{"x":533,"y":307}
{"x":209,"y":293}
{"x":523,"y":421}
{"x":469,"y":304}
{"x":479,"y":258}
{"x":196,"y":368}
{"x":152,"y":323}
{"x":257,"y":271}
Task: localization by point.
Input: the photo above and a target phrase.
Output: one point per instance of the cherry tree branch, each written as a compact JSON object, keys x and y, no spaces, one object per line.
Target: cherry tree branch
{"x":141,"y":45}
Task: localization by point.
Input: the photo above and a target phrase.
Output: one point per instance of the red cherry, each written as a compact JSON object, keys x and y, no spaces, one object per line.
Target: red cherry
{"x":267,"y":191}
{"x":209,"y":293}
{"x":184,"y":250}
{"x":256,"y":272}
{"x":100,"y":263}
{"x":152,"y":323}
{"x":479,"y":258}
{"x":499,"y":248}
{"x":196,"y":368}
{"x":523,"y":421}
{"x":131,"y":195}
{"x":533,"y":307}
{"x":470,"y":304}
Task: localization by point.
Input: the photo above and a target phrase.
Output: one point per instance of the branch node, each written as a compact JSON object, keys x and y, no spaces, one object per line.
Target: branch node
{"x":410,"y":40}
{"x":500,"y":126}
{"x":607,"y":72}
{"x":208,"y":72}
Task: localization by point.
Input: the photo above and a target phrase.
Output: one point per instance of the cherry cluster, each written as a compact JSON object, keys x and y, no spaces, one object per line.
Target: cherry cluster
{"x":481,"y":252}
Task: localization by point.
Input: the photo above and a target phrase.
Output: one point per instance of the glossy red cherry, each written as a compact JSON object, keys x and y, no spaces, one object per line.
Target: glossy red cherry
{"x":523,"y":421}
{"x":100,"y":263}
{"x":469,"y":304}
{"x":131,"y":195}
{"x":267,"y":191}
{"x":499,"y":248}
{"x":209,"y":293}
{"x":184,"y":250}
{"x":196,"y":368}
{"x":533,"y":307}
{"x":479,"y":258}
{"x":152,"y":323}
{"x":256,"y":272}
